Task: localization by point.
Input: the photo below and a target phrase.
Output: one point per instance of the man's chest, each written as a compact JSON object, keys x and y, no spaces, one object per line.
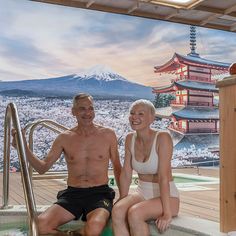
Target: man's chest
{"x":87,"y":145}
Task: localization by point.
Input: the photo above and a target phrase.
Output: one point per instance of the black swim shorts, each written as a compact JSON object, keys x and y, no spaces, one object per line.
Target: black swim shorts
{"x":81,"y":201}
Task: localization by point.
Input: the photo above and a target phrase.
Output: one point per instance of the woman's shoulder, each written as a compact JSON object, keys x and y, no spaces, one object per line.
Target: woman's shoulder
{"x":164,"y":136}
{"x":163,"y":133}
{"x":129,"y":137}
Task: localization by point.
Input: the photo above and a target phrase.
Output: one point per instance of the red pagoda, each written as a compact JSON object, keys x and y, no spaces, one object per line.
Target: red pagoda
{"x":193,"y":111}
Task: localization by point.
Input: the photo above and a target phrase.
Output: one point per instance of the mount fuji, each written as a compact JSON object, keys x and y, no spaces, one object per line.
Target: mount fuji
{"x":98,"y":81}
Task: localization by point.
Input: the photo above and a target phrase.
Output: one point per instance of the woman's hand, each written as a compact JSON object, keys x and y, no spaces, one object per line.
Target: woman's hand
{"x":163,"y":222}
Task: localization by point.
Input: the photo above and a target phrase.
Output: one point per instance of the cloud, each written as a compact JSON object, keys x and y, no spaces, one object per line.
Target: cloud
{"x":9,"y":75}
{"x":41,"y":40}
{"x":217,"y":45}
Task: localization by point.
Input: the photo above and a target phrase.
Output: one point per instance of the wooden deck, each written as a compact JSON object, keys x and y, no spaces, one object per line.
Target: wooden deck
{"x":202,"y":202}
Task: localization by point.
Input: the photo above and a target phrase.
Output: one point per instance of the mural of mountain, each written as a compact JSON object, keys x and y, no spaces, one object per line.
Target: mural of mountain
{"x":98,"y":81}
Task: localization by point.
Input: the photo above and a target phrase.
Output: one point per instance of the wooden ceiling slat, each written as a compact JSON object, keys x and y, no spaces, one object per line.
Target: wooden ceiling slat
{"x":207,"y":16}
{"x":230,"y":9}
{"x":209,"y":19}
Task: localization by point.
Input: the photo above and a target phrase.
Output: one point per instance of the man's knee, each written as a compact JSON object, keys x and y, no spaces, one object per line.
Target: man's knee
{"x":94,"y":227}
{"x":43,"y":225}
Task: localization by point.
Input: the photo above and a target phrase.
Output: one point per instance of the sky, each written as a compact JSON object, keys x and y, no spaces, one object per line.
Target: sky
{"x":39,"y":41}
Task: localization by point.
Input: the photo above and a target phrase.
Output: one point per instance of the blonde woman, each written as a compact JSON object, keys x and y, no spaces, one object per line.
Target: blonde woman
{"x":149,"y":153}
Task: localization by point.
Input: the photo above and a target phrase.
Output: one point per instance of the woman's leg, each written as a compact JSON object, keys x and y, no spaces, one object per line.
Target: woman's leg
{"x":119,"y":214}
{"x":139,"y":213}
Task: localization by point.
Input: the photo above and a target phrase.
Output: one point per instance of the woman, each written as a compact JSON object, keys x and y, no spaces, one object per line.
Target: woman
{"x":149,"y":153}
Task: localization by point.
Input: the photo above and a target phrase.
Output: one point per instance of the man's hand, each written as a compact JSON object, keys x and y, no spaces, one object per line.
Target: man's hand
{"x":13,"y":133}
{"x":163,"y":222}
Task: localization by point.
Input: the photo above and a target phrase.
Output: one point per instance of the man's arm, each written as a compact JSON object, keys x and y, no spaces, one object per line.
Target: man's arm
{"x":115,"y":159}
{"x":42,"y":166}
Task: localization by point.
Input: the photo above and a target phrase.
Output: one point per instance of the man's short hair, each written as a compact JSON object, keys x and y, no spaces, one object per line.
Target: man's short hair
{"x":146,"y":103}
{"x":80,"y":96}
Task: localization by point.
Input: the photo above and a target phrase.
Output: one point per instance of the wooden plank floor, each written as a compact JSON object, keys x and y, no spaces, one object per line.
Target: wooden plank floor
{"x":198,"y":203}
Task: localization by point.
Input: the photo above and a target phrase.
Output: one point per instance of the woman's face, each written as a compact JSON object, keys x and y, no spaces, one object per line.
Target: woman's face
{"x":140,"y":117}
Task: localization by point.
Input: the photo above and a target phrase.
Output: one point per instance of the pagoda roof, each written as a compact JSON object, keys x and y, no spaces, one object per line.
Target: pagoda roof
{"x":197,"y":113}
{"x":193,"y":60}
{"x":209,"y":141}
{"x":194,"y":85}
{"x":164,"y":89}
{"x":186,"y":84}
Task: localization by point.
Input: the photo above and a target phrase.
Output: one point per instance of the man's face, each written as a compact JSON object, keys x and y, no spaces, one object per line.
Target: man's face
{"x":84,"y":111}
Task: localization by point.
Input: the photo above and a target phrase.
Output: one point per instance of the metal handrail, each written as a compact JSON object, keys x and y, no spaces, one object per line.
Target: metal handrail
{"x":46,"y":121}
{"x":11,"y":115}
{"x":50,"y":124}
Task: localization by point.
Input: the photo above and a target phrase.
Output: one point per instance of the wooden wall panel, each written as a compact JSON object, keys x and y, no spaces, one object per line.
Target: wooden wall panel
{"x":228,"y":158}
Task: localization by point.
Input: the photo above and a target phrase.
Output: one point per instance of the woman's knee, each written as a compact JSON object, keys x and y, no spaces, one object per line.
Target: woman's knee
{"x":134,"y":214}
{"x":119,"y":211}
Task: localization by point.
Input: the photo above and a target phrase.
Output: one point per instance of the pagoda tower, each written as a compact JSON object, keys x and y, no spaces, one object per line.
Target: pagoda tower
{"x":194,"y":115}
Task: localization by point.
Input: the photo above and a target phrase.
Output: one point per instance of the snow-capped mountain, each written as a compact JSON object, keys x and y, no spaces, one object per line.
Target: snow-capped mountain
{"x":98,"y":81}
{"x":101,"y":72}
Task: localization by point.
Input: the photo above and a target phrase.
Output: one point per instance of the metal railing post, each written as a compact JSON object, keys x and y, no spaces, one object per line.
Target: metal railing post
{"x":12,"y":116}
{"x":6,"y":158}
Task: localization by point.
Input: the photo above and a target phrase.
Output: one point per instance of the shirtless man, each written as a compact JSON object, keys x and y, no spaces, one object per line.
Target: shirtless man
{"x":87,"y":148}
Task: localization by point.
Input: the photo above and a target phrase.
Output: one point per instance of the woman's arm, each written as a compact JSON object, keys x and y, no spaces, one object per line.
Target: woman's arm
{"x":126,"y":171}
{"x":165,"y":151}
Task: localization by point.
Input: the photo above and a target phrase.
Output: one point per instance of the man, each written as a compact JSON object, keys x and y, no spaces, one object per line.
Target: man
{"x":88,"y":148}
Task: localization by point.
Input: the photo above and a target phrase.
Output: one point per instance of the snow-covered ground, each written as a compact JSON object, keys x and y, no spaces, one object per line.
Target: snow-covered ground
{"x":109,"y":113}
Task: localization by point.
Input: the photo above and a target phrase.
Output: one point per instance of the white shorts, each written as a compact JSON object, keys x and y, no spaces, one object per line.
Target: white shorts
{"x":150,"y":190}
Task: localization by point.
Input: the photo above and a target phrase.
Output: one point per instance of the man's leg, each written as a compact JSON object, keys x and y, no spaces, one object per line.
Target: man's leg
{"x":97,"y":209}
{"x":96,"y":222}
{"x":53,"y":217}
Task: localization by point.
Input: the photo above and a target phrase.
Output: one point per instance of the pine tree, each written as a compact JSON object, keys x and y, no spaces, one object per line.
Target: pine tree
{"x":162,"y":100}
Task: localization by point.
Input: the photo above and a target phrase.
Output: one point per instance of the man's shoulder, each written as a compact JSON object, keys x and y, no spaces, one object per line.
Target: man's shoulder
{"x":106,"y":132}
{"x":104,"y":129}
{"x":65,"y":134}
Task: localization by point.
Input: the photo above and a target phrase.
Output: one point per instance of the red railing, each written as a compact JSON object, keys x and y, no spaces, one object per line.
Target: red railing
{"x":193,"y":78}
{"x":196,"y":130}
{"x":184,"y":103}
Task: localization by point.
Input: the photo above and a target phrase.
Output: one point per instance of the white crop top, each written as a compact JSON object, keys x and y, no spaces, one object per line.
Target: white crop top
{"x":151,"y":165}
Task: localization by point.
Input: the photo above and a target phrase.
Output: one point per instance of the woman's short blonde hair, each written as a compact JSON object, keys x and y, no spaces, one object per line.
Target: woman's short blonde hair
{"x":146,"y":103}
